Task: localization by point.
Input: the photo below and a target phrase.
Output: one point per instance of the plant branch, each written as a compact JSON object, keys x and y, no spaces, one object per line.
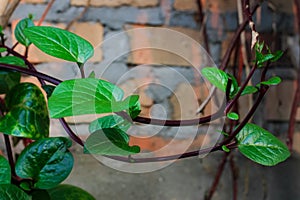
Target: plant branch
{"x":296,"y":99}
{"x":4,"y":18}
{"x":172,"y":157}
{"x":9,"y":154}
{"x":262,"y":92}
{"x":189,"y":122}
{"x":45,"y":12}
{"x":238,"y":95}
{"x":39,"y":75}
{"x":203,"y":26}
{"x":8,"y":144}
{"x":234,"y":173}
{"x":234,"y":40}
{"x":69,"y":25}
{"x":225,"y":60}
{"x":217,"y":177}
{"x":70,"y":132}
{"x":293,"y":113}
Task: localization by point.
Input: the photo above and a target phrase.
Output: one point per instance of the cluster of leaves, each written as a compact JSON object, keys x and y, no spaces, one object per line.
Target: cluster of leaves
{"x":254,"y":142}
{"x":46,"y":162}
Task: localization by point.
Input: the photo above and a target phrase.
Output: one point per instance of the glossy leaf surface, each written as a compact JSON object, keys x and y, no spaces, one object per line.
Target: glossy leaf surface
{"x":85,"y":96}
{"x":5,"y":171}
{"x":12,"y":60}
{"x":219,"y":79}
{"x":69,"y":192}
{"x":60,"y":43}
{"x":112,"y":141}
{"x":27,"y":113}
{"x":19,"y":31}
{"x":110,"y":121}
{"x":47,"y":161}
{"x":261,"y":146}
{"x":12,"y":192}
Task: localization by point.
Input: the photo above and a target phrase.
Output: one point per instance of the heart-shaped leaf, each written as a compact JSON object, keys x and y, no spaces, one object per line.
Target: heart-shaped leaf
{"x":2,"y":49}
{"x":40,"y":194}
{"x":8,"y":79}
{"x":5,"y":171}
{"x":12,"y":192}
{"x":219,"y":78}
{"x":48,"y":89}
{"x":69,"y":192}
{"x":60,"y":43}
{"x":28,"y":113}
{"x":233,"y":116}
{"x":47,"y":162}
{"x":134,"y":106}
{"x":249,"y":90}
{"x":19,"y":31}
{"x":272,"y":81}
{"x":12,"y":60}
{"x":85,"y":96}
{"x":110,"y":121}
{"x":111,"y":141}
{"x":261,"y":146}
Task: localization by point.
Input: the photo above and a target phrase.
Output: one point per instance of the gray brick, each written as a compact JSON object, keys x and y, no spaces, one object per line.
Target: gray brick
{"x":60,"y":12}
{"x":116,"y":17}
{"x":184,"y":19}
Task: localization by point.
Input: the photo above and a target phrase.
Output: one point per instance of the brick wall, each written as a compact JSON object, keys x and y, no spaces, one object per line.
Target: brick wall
{"x":164,"y":75}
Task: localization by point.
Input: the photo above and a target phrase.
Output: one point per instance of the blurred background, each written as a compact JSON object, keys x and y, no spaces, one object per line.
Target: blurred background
{"x":162,"y":65}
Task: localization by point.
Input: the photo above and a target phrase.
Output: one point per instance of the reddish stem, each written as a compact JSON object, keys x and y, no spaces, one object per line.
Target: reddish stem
{"x":45,"y":12}
{"x":293,"y":114}
{"x":234,"y":173}
{"x":217,"y":177}
{"x":296,"y":100}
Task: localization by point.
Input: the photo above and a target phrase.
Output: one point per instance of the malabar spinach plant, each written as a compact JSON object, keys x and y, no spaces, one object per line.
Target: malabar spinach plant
{"x":46,"y":161}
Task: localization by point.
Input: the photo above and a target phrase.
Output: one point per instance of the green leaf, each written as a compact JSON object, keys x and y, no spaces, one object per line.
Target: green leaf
{"x":12,"y":60}
{"x":8,"y":80}
{"x":19,"y":31}
{"x":223,"y":133}
{"x":12,"y":192}
{"x":92,"y":75}
{"x":216,"y":77}
{"x":47,"y":162}
{"x":28,"y":113}
{"x":110,"y":121}
{"x":259,"y":46}
{"x":69,"y":192}
{"x":261,"y":59}
{"x":1,"y":30}
{"x":234,"y":86}
{"x":134,"y":106}
{"x":225,"y":148}
{"x":48,"y":89}
{"x":111,"y":141}
{"x":261,"y":146}
{"x":26,"y":185}
{"x":277,"y":55}
{"x":60,"y":43}
{"x":5,"y":171}
{"x":2,"y":49}
{"x":219,"y":78}
{"x":272,"y":81}
{"x":40,"y":195}
{"x":85,"y":96}
{"x":233,"y":116}
{"x":249,"y":90}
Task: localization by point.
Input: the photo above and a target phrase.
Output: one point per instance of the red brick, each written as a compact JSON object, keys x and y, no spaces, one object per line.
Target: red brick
{"x":115,"y":3}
